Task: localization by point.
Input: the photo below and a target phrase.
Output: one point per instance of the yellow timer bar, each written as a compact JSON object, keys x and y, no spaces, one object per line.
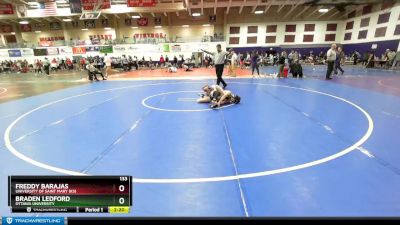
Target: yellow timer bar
{"x":118,"y":209}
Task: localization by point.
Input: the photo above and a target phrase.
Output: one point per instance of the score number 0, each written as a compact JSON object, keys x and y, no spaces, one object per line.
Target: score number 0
{"x":121,"y":188}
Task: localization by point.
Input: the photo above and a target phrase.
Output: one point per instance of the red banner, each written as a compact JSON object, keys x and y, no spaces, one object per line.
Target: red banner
{"x":90,"y":4}
{"x":142,"y":22}
{"x":6,"y":9}
{"x":78,"y":50}
{"x":6,"y":29}
{"x":25,"y":27}
{"x":141,"y":3}
{"x":45,"y":43}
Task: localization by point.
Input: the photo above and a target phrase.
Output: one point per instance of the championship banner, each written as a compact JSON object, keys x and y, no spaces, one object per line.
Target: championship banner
{"x":45,"y":43}
{"x":26,"y":27}
{"x":39,"y":26}
{"x":75,"y":6}
{"x":90,"y":4}
{"x":142,"y":22}
{"x":92,"y":49}
{"x":6,"y":9}
{"x":6,"y":29}
{"x":21,"y":10}
{"x":55,"y":26}
{"x":128,"y":21}
{"x":89,"y":24}
{"x":141,"y":3}
{"x":105,"y":23}
{"x":157,"y":21}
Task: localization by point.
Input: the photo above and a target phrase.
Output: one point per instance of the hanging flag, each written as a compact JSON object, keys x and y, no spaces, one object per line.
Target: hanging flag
{"x":47,"y":8}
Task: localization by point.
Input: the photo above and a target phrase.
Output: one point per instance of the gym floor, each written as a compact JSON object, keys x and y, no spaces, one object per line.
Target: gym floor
{"x":292,"y":147}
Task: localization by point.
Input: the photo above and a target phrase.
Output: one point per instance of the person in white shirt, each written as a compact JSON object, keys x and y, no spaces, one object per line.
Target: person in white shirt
{"x":330,"y":59}
{"x":107,"y":61}
{"x":233,"y":63}
{"x":219,"y":62}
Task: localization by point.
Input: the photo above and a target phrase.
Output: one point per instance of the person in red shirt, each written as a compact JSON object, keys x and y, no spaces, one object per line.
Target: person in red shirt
{"x":162,"y":61}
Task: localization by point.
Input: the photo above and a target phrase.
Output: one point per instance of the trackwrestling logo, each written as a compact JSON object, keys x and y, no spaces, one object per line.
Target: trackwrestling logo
{"x":33,"y":220}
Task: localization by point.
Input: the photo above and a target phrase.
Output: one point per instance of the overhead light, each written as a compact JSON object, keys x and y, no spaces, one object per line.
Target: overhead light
{"x":185,"y":25}
{"x":158,"y":27}
{"x":33,"y":3}
{"x":196,"y":14}
{"x":323,"y":10}
{"x":84,"y":29}
{"x":136,"y":17}
{"x":67,"y":20}
{"x":62,"y":1}
{"x":258,"y":12}
{"x":107,"y":28}
{"x":206,"y":25}
{"x":24,"y":22}
{"x":13,"y":33}
{"x":38,"y":31}
{"x":134,"y":27}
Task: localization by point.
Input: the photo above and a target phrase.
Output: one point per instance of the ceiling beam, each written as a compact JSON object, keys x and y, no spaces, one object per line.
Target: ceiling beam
{"x":153,"y":14}
{"x":268,"y":6}
{"x":337,"y":11}
{"x":302,"y":11}
{"x":241,"y":7}
{"x":227,"y":8}
{"x":215,"y":7}
{"x":292,"y":9}
{"x":187,"y":4}
{"x":316,"y":10}
{"x":177,"y":13}
{"x":165,"y":14}
{"x":116,"y":16}
{"x":255,"y":7}
{"x":202,"y":7}
{"x":282,"y":6}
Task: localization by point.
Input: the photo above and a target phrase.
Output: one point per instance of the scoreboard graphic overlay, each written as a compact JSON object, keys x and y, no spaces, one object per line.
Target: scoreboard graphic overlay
{"x":70,"y":194}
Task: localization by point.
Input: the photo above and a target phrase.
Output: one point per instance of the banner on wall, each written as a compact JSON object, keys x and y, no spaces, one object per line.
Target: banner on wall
{"x":6,"y":9}
{"x":52,"y":51}
{"x":166,"y":48}
{"x":75,"y":6}
{"x":27,"y":52}
{"x":39,"y":52}
{"x":78,"y":50}
{"x":119,"y":49}
{"x":14,"y":53}
{"x":90,"y":24}
{"x":106,"y":49}
{"x":55,"y":26}
{"x":4,"y":53}
{"x":176,"y":48}
{"x":141,"y":3}
{"x":25,"y":27}
{"x":60,"y":38}
{"x":92,"y":49}
{"x":142,"y":22}
{"x":6,"y":29}
{"x":90,"y":4}
{"x":150,"y":35}
{"x":65,"y":50}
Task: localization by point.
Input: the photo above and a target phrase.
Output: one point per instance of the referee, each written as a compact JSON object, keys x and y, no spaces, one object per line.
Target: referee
{"x":219,"y":62}
{"x":330,"y":59}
